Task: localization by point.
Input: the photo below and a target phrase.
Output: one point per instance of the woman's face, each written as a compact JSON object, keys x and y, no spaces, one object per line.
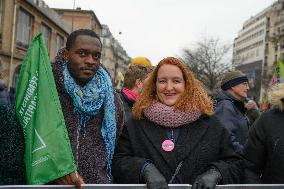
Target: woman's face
{"x":170,"y":84}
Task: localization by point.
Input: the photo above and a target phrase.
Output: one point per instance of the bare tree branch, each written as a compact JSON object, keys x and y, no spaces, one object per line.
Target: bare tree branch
{"x":207,"y":60}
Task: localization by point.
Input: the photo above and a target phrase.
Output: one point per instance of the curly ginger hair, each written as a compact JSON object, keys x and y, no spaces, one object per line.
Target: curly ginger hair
{"x":194,"y":97}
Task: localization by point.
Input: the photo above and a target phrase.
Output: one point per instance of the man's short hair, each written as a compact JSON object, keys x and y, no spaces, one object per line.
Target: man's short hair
{"x":133,"y":73}
{"x":72,"y":37}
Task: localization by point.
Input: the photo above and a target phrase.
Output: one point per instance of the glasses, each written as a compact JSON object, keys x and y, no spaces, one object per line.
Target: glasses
{"x":246,"y":84}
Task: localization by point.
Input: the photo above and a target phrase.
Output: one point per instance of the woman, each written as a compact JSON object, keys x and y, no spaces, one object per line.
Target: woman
{"x":173,"y":137}
{"x":264,"y":152}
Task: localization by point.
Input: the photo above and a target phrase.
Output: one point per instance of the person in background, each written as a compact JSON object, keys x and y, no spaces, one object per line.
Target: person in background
{"x":12,"y":144}
{"x":92,"y":109}
{"x":12,"y":96}
{"x":174,"y":136}
{"x":264,"y":151}
{"x":141,"y":60}
{"x":4,"y":95}
{"x":230,"y":108}
{"x":132,"y":86}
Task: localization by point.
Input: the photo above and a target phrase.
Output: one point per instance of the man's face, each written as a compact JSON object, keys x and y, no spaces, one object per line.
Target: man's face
{"x":84,"y":58}
{"x":240,"y":91}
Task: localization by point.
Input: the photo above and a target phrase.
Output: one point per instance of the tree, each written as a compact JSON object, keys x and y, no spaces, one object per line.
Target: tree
{"x":208,"y":60}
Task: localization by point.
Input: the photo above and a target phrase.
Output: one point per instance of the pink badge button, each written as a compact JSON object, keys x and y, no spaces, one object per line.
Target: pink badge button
{"x":168,"y":145}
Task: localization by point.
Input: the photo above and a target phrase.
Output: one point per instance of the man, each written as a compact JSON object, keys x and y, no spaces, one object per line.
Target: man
{"x":91,"y":109}
{"x":230,"y":107}
{"x":132,"y":86}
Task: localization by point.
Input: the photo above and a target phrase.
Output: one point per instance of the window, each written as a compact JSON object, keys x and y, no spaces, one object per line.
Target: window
{"x":257,"y":52}
{"x":266,"y":48}
{"x":46,"y":33}
{"x":276,"y":47}
{"x":59,"y":42}
{"x":265,"y":61}
{"x":24,"y":28}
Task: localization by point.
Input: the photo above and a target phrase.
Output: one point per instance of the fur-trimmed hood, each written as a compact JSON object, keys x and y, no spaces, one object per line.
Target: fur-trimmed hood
{"x":277,"y":96}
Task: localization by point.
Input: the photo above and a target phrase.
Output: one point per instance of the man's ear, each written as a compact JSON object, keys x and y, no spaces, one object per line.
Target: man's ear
{"x":138,"y":83}
{"x":65,"y":54}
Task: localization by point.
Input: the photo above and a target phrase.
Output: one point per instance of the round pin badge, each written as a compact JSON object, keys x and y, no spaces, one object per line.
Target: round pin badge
{"x":168,"y":145}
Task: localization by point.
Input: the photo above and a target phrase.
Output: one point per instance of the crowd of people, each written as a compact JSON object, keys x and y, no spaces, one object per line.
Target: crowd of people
{"x":161,"y":128}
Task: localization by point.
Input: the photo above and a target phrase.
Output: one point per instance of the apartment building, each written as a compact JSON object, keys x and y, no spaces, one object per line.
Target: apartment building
{"x":20,"y":20}
{"x":114,"y":56}
{"x":249,"y":51}
{"x":259,"y":45}
{"x":78,"y":19}
{"x":275,"y":48}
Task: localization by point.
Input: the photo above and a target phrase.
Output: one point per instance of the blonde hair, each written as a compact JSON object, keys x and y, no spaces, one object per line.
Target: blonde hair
{"x":193,"y":98}
{"x":277,"y":95}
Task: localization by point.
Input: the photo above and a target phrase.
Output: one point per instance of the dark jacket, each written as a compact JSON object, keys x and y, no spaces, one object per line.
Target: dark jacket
{"x":264,"y":152}
{"x":12,"y":165}
{"x":127,"y":105}
{"x":89,"y":151}
{"x":231,"y":113}
{"x":252,"y":115}
{"x":201,"y":143}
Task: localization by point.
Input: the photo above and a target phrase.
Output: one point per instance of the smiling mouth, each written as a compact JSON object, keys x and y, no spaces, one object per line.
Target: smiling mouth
{"x":172,"y":94}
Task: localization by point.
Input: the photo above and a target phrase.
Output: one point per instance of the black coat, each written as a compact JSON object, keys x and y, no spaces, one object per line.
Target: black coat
{"x":202,"y":143}
{"x":264,"y":152}
{"x":12,"y":149}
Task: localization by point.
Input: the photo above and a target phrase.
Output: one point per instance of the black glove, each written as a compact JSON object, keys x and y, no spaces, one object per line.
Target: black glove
{"x":153,"y":178}
{"x":208,"y":180}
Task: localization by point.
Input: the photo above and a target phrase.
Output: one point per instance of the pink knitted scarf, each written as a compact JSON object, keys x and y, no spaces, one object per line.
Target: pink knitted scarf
{"x":167,"y":116}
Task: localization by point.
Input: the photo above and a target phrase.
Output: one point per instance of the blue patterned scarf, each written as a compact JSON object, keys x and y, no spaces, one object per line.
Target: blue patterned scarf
{"x":88,"y":101}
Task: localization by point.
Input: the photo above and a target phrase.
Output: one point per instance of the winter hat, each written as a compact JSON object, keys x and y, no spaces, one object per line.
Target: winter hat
{"x":142,"y":61}
{"x":233,"y":78}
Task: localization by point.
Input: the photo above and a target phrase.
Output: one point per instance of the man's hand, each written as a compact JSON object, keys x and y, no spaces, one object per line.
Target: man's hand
{"x":71,"y":179}
{"x":251,"y":105}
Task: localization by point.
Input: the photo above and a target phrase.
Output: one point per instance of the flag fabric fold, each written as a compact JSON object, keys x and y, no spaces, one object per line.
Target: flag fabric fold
{"x":48,"y":153}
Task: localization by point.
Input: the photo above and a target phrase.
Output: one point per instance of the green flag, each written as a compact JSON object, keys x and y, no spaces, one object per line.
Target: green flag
{"x":279,"y":71}
{"x":48,"y":153}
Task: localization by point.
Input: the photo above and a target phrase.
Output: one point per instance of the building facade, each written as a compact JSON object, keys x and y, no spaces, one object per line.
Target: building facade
{"x":20,"y":21}
{"x":78,"y":19}
{"x":114,"y":58}
{"x":249,"y":51}
{"x":258,"y":46}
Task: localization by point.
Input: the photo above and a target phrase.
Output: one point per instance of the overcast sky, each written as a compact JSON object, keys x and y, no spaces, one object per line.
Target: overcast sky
{"x":161,"y":28}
